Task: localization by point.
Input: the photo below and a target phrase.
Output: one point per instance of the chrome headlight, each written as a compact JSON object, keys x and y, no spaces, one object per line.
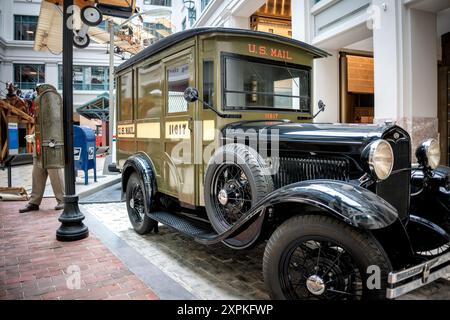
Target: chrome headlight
{"x":379,"y":158}
{"x":429,"y":154}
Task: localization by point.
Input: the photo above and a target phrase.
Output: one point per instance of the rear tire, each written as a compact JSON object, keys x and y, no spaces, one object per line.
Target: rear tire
{"x":318,"y":257}
{"x":135,"y":199}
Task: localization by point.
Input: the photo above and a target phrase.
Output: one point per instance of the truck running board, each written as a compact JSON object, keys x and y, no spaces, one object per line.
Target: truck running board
{"x":189,"y":227}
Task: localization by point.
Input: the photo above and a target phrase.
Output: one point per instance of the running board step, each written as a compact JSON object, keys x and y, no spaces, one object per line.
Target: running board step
{"x":188,"y":227}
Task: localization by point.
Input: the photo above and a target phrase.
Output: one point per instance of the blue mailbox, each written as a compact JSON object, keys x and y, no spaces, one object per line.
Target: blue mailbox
{"x":84,"y":151}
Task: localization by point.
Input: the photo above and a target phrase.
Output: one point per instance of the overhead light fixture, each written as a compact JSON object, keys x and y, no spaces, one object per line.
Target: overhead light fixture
{"x":30,"y":32}
{"x":189,"y":4}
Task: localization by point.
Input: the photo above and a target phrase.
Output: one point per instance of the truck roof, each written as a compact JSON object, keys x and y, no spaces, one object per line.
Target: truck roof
{"x":183,"y":35}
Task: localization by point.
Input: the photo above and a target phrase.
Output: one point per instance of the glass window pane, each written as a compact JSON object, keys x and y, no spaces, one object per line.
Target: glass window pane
{"x":78,"y":77}
{"x":149,"y":92}
{"x":25,"y":27}
{"x":252,"y":84}
{"x":208,"y":82}
{"x":166,"y":3}
{"x":126,"y":97}
{"x":99,"y":77}
{"x":178,"y":81}
{"x":87,"y":78}
{"x":27,"y":76}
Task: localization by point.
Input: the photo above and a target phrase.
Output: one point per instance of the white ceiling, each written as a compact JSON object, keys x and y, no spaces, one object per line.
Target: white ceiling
{"x":429,"y":5}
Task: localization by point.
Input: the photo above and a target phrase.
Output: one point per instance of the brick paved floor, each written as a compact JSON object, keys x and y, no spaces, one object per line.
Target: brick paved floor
{"x":210,"y":272}
{"x":34,"y":265}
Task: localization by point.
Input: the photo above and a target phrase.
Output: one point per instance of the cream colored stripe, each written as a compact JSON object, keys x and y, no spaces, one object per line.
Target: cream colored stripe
{"x":150,"y":130}
{"x":208,"y":130}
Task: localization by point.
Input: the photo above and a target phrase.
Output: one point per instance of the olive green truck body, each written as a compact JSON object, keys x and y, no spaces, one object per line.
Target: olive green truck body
{"x":152,"y":116}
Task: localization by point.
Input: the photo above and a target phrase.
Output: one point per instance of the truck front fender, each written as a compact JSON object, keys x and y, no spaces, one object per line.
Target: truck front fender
{"x":142,"y":165}
{"x":349,"y":203}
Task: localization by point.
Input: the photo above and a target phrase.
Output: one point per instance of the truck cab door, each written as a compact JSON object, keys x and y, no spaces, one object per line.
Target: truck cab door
{"x":179,"y":178}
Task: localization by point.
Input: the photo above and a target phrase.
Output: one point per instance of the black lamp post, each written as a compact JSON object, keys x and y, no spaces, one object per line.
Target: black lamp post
{"x":72,"y":227}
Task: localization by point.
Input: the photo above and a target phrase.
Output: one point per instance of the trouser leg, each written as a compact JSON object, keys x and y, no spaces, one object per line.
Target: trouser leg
{"x":57,"y":181}
{"x":39,"y":178}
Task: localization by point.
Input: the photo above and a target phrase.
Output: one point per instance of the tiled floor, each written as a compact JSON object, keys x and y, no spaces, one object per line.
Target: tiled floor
{"x":34,"y":265}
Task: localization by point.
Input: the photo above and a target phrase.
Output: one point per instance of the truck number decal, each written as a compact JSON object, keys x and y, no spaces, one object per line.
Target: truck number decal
{"x":178,"y":130}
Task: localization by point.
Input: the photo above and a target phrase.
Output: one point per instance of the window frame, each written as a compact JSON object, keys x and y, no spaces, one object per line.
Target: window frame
{"x":225,"y":55}
{"x":119,"y":97}
{"x":213,"y":93}
{"x":167,"y":3}
{"x":21,"y":23}
{"x":172,"y":64}
{"x":28,"y":65}
{"x":160,"y":67}
{"x":84,"y":85}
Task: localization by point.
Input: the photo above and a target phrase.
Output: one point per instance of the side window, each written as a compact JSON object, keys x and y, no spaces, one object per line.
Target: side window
{"x":149,"y":92}
{"x":126,"y":97}
{"x":177,"y":82}
{"x":208,"y":82}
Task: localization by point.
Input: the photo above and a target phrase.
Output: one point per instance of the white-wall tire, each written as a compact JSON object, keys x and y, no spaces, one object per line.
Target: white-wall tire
{"x":81,"y":42}
{"x":91,"y":16}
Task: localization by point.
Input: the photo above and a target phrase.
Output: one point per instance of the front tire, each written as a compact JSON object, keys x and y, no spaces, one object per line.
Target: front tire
{"x":236,"y":179}
{"x":318,"y":257}
{"x":135,"y":199}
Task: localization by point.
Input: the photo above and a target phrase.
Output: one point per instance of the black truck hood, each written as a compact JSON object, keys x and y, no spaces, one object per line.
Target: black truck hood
{"x":306,"y":137}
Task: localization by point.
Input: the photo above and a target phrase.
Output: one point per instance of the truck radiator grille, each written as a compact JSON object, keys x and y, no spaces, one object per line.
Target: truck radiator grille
{"x":292,"y":170}
{"x":396,"y":189}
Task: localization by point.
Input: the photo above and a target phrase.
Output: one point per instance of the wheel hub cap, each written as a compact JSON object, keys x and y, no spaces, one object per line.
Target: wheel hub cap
{"x":223,"y":197}
{"x":92,"y":15}
{"x":315,"y":285}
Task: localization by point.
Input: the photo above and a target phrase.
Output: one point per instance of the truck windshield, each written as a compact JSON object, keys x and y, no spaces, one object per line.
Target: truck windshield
{"x":251,"y":83}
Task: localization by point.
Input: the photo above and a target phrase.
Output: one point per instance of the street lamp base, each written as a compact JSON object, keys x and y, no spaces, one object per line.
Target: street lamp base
{"x":72,"y":227}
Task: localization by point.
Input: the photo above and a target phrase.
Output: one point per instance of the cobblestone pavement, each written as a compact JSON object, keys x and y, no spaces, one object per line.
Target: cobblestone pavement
{"x":214,"y":272}
{"x":34,"y":265}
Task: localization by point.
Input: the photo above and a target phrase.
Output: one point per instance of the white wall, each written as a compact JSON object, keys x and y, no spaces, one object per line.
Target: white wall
{"x":423,"y":66}
{"x":387,"y":61}
{"x":326,"y":87}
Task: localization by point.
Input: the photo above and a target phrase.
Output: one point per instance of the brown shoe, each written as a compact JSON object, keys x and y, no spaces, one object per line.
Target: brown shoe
{"x":59,"y":206}
{"x":29,"y":207}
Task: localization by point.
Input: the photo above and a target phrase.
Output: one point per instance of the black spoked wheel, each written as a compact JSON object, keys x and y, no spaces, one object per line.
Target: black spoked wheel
{"x":231,"y":194}
{"x":316,"y":268}
{"x":135,"y":199}
{"x":137,"y":204}
{"x":236,"y":179}
{"x":316,"y":257}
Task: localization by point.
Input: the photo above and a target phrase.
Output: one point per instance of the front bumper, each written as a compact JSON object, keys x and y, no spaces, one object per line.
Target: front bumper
{"x":402,"y":282}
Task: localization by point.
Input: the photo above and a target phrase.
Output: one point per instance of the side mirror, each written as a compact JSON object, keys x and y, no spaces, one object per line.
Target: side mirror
{"x":190,"y":94}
